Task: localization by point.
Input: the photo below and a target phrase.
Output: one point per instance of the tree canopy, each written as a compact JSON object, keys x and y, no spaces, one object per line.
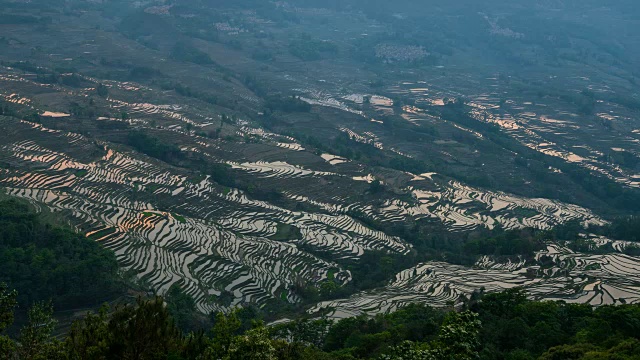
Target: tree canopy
{"x":496,"y":326}
{"x":49,"y":262}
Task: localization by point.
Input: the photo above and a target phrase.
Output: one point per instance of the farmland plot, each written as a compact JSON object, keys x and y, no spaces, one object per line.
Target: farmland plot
{"x":166,"y":227}
{"x":602,"y":279}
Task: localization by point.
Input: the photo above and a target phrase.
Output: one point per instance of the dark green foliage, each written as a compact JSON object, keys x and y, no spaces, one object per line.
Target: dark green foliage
{"x":186,"y":91}
{"x":512,"y":324}
{"x":287,"y":104}
{"x":304,"y":331}
{"x":225,"y":328}
{"x":140,"y":73}
{"x":309,"y":49}
{"x":629,"y":101}
{"x":458,"y":338}
{"x":434,"y":241}
{"x":72,"y":80}
{"x":262,"y":55}
{"x":141,"y":24}
{"x":85,"y":109}
{"x":153,"y":147}
{"x":189,"y":53}
{"x":255,"y":85}
{"x":222,"y":174}
{"x":586,"y":103}
{"x":263,"y":193}
{"x":146,"y":331}
{"x":8,"y":301}
{"x":89,"y":336}
{"x":11,"y":19}
{"x":35,"y":341}
{"x":7,"y":109}
{"x":624,"y":229}
{"x":47,"y":262}
{"x":373,"y":268}
{"x":255,"y":344}
{"x":369,"y":337}
{"x":512,"y":242}
{"x":102,"y":90}
{"x":623,"y":158}
{"x":35,"y":338}
{"x":376,"y":187}
{"x":286,"y":232}
{"x":182,"y":308}
{"x":498,"y":326}
{"x":111,"y":125}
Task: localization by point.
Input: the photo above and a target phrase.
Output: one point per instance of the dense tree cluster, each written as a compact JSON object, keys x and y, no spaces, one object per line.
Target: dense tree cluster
{"x":309,"y":49}
{"x":517,"y":328}
{"x":286,"y":104}
{"x":496,"y":326}
{"x":45,"y":262}
{"x":153,"y":146}
{"x":186,"y":52}
{"x":627,"y":228}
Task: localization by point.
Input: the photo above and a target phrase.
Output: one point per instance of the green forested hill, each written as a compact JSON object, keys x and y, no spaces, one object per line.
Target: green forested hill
{"x":43,"y":261}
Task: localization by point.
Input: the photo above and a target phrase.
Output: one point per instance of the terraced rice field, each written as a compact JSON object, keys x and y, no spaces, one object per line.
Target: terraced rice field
{"x":463,"y":207}
{"x":557,"y":133}
{"x":573,"y":277}
{"x":168,"y":227}
{"x":169,"y":223}
{"x":209,"y":240}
